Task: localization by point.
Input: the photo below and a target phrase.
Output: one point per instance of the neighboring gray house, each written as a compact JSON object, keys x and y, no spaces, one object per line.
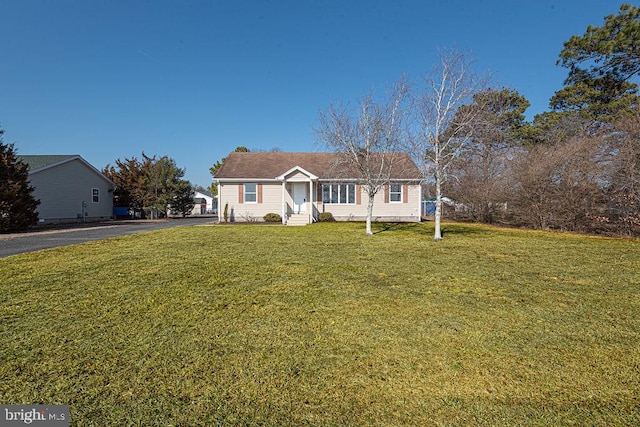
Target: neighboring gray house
{"x":69,"y":189}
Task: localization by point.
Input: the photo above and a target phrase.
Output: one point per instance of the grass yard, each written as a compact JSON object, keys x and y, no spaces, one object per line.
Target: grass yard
{"x":321,"y":325}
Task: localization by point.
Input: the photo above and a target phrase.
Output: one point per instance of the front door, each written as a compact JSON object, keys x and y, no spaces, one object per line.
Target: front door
{"x":299,"y":197}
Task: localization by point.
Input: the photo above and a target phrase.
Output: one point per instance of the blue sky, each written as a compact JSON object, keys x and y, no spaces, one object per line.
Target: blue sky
{"x":192,"y":80}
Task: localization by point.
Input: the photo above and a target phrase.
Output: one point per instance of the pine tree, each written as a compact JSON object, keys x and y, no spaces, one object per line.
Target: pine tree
{"x":17,"y":204}
{"x":601,"y":64}
{"x":182,"y":203}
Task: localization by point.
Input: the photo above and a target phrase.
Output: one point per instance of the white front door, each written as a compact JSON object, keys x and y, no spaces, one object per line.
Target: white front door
{"x":299,"y":197}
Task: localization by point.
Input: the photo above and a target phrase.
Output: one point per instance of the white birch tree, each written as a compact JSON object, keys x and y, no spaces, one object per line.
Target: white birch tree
{"x":443,"y":128}
{"x":368,"y":141}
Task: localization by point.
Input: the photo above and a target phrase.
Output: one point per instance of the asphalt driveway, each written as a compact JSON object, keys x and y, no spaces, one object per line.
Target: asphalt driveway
{"x":13,"y":244}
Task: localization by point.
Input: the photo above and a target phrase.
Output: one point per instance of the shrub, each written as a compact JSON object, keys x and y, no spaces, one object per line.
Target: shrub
{"x":272,"y":217}
{"x":226,"y":212}
{"x":249,"y":217}
{"x":326,"y":217}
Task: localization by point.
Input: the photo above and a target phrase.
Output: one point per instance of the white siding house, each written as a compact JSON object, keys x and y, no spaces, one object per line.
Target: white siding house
{"x":300,"y":186}
{"x":204,"y":203}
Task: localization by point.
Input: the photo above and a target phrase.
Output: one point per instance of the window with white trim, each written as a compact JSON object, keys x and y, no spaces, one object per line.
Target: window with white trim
{"x":395,"y":193}
{"x":251,"y":193}
{"x":95,"y":195}
{"x":339,"y":194}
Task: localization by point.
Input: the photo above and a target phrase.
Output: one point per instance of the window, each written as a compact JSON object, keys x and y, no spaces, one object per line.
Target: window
{"x":395,"y":193}
{"x":341,"y":194}
{"x":95,"y":195}
{"x":250,"y":193}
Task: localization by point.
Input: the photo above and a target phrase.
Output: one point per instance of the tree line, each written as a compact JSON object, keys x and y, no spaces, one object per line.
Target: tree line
{"x":575,"y":167}
{"x":151,"y":184}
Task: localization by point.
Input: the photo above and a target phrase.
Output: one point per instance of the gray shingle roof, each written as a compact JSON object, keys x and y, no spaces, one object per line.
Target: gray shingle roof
{"x":323,"y":165}
{"x":205,"y":192}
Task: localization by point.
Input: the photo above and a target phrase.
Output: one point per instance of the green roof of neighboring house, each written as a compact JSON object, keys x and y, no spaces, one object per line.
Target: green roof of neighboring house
{"x":40,"y":161}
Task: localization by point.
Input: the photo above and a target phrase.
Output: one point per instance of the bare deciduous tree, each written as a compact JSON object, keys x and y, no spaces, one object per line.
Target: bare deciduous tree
{"x":444,"y":129}
{"x":560,"y":185}
{"x":624,"y":185}
{"x":368,"y":140}
{"x":483,"y":173}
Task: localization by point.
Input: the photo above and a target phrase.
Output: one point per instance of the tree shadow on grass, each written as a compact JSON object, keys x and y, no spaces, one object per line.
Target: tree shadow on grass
{"x":426,"y":228}
{"x":411,"y":227}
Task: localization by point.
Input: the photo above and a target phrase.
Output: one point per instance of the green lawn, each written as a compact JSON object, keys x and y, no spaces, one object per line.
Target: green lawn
{"x":321,"y":325}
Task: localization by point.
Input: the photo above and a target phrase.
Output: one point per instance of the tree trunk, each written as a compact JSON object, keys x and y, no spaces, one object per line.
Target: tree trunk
{"x":437,"y":235}
{"x":369,"y":215}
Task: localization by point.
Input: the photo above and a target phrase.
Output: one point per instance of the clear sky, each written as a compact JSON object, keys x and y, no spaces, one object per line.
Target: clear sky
{"x":192,"y":80}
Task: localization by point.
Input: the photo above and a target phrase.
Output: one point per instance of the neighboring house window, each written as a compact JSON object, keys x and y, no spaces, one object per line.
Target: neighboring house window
{"x":250,"y":193}
{"x":340,"y":194}
{"x":395,"y":193}
{"x":95,"y":195}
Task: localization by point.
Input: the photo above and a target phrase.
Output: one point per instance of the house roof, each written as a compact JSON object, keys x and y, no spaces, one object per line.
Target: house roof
{"x":39,"y":162}
{"x":35,"y":162}
{"x":204,"y":193}
{"x":240,"y":165}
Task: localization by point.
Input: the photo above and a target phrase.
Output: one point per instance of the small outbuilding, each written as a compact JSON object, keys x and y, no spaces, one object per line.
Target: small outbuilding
{"x":205,"y":203}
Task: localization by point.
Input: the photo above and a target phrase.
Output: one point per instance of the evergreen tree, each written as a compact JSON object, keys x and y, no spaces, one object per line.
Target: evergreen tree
{"x":150,"y":183}
{"x":17,"y":204}
{"x":608,"y":50}
{"x":601,"y":64}
{"x":162,"y":179}
{"x":182,"y":203}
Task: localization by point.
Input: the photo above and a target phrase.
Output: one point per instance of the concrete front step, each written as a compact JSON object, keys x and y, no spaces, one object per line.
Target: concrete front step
{"x":298,"y":219}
